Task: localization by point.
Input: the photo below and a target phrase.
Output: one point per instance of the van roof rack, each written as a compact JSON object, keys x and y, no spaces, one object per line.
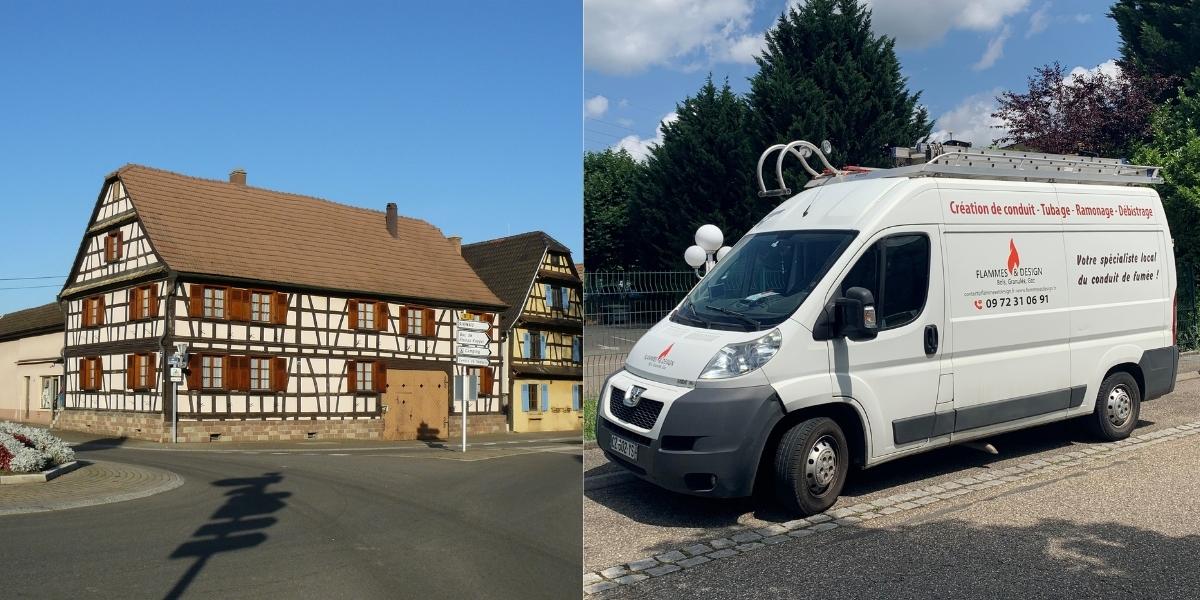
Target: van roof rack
{"x":942,"y":160}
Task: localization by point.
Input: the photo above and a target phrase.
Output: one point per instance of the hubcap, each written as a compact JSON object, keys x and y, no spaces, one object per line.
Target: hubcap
{"x":1120,"y":406}
{"x":821,"y":465}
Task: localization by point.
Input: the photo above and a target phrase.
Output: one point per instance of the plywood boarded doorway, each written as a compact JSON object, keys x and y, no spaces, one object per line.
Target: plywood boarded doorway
{"x":417,"y":405}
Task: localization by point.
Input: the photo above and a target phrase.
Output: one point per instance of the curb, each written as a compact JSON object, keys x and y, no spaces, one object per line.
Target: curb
{"x":171,"y":481}
{"x":42,"y":477}
{"x":748,"y":539}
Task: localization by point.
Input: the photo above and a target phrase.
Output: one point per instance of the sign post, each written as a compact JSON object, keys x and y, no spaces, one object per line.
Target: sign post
{"x":471,"y":349}
{"x":176,"y":362}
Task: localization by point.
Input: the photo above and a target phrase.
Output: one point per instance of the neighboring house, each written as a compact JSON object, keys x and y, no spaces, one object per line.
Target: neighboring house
{"x":302,"y":317}
{"x":543,"y":350}
{"x":30,"y":363}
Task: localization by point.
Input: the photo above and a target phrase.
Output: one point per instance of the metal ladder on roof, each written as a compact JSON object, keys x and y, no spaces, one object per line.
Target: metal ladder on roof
{"x":943,"y":160}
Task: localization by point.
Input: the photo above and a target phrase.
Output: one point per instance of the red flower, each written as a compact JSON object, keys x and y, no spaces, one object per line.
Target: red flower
{"x":5,"y":458}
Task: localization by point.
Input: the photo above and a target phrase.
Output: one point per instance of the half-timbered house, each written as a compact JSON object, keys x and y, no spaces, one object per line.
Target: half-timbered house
{"x":300,"y":317}
{"x":543,"y":327}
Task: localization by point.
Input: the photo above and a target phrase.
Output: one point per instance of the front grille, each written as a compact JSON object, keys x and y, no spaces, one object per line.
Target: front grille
{"x":644,"y":415}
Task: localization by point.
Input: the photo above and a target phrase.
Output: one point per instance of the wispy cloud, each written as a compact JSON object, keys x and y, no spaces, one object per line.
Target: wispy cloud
{"x":994,"y":50}
{"x":595,"y":107}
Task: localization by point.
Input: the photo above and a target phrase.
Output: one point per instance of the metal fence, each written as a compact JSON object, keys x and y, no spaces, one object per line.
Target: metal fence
{"x":1187,"y":311}
{"x":619,"y":306}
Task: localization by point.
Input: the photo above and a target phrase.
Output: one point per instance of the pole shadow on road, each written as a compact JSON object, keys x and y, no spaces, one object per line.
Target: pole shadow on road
{"x":649,"y":504}
{"x":236,"y":525}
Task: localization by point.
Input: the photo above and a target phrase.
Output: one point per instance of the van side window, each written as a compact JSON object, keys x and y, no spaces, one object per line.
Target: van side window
{"x":896,"y":271}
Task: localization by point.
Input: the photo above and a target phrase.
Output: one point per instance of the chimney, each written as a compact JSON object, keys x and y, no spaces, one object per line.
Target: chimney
{"x":456,"y":241}
{"x":238,"y":176}
{"x":392,"y":218}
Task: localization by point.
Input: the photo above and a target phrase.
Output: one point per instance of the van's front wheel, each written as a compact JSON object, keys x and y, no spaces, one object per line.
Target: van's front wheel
{"x":811,"y":462}
{"x":1118,"y":405}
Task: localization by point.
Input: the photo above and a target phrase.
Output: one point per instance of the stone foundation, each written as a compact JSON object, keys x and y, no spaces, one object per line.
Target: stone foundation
{"x":152,"y":427}
{"x":33,"y":417}
{"x":477,"y":424}
{"x":111,"y":423}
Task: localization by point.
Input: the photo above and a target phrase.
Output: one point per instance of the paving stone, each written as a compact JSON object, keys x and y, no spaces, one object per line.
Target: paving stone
{"x":867,"y":516}
{"x":771,"y":530}
{"x":950,"y":485}
{"x":590,"y":578}
{"x":726,"y":553}
{"x":693,"y":561}
{"x":841,"y":513}
{"x":821,"y":518}
{"x":797,"y":524}
{"x":847,"y":520}
{"x":861,"y":508}
{"x":946,"y":495}
{"x":775,"y":539}
{"x":632,"y":578}
{"x":906,"y":505}
{"x":598,"y":587}
{"x":746,"y":536}
{"x":614,"y":572}
{"x":984,"y":476}
{"x":643,"y":564}
{"x":799,"y":533}
{"x":823,"y":527}
{"x":966,"y":481}
{"x":976,"y":486}
{"x":883,"y":502}
{"x":663,"y":570}
{"x":720,"y":543}
{"x":697,"y":549}
{"x":1010,"y":478}
{"x":928,"y":500}
{"x":748,"y":547}
{"x":671,"y":556}
{"x":935,"y":489}
{"x":887,"y":510}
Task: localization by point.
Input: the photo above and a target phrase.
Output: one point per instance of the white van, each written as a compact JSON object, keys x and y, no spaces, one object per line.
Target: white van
{"x":883,"y":313}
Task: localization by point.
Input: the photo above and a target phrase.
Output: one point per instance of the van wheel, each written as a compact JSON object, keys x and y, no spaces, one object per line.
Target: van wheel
{"x":1117,"y":407}
{"x":810,"y":466}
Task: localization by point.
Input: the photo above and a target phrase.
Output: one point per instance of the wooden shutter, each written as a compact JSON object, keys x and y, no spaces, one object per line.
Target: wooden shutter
{"x":279,"y":374}
{"x":237,"y":373}
{"x":99,"y":310}
{"x":83,"y":373}
{"x":87,"y":314}
{"x":195,"y":300}
{"x":545,"y":398}
{"x":135,"y":306}
{"x":352,"y":313}
{"x":193,"y":378}
{"x":97,"y":373}
{"x":153,"y":289}
{"x":131,"y":364}
{"x":351,"y":377}
{"x":118,"y":244}
{"x":525,"y":387}
{"x":403,"y":328}
{"x":237,"y":304}
{"x":379,"y":375}
{"x":428,"y":327}
{"x":381,"y":316}
{"x":108,"y":248}
{"x":486,"y":379}
{"x":152,"y":370}
{"x":279,"y":308}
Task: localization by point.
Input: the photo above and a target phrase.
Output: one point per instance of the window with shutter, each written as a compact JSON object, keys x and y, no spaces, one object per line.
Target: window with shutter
{"x":260,"y":373}
{"x":194,"y":371}
{"x":195,"y":301}
{"x":365,"y":319}
{"x":91,"y":373}
{"x":131,"y":371}
{"x":114,"y":246}
{"x":428,"y":324}
{"x":93,"y":311}
{"x":352,"y":313}
{"x":351,"y":376}
{"x":214,"y":302}
{"x":212,"y":372}
{"x":525,"y":388}
{"x":402,"y":322}
{"x":152,"y":301}
{"x":549,"y":296}
{"x":381,"y":316}
{"x":261,"y":304}
{"x":545,"y":398}
{"x":279,"y":308}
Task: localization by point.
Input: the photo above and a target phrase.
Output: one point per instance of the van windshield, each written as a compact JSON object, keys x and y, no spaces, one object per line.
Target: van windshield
{"x":763,"y":280}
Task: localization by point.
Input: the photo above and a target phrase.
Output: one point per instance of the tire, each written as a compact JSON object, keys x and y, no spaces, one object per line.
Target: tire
{"x":1118,"y":404}
{"x":811,"y":463}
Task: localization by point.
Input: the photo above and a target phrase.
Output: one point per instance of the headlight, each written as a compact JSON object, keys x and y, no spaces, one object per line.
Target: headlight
{"x":739,"y":359}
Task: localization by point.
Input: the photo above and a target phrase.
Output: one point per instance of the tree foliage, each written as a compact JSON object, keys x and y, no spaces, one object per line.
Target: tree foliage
{"x":825,"y":76}
{"x":1091,"y":113}
{"x":609,"y":180}
{"x":1175,"y":146}
{"x":1158,"y":39}
{"x":702,"y":172}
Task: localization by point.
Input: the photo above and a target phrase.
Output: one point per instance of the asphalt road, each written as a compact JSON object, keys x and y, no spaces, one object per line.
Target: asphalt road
{"x":1129,"y":530}
{"x":305,"y":524}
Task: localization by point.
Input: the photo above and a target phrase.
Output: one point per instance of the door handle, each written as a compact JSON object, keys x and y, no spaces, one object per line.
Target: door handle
{"x":931,"y":340}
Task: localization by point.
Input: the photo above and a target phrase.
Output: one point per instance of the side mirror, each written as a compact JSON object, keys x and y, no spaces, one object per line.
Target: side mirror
{"x":856,"y":318}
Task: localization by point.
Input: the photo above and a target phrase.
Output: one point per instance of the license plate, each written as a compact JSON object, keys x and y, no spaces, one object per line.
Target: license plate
{"x":623,"y":447}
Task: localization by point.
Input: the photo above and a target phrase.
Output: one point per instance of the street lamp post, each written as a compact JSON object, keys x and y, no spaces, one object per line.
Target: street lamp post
{"x":707,"y":251}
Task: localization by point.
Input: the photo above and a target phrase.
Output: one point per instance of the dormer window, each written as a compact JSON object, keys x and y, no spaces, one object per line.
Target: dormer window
{"x":114,"y":246}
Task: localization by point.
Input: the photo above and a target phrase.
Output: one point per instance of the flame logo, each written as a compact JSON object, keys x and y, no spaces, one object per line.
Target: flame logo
{"x":1014,"y":259}
{"x":666,"y":352}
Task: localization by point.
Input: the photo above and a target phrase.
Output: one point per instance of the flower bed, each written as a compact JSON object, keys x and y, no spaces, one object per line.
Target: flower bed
{"x":30,"y":450}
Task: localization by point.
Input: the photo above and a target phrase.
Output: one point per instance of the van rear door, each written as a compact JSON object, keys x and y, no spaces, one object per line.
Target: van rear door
{"x":895,"y":377}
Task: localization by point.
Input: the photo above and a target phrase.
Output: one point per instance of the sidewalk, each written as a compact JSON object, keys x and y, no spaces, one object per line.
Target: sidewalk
{"x":89,"y":440}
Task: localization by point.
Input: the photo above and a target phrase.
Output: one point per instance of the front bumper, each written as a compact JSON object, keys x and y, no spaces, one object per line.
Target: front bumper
{"x":709,"y":440}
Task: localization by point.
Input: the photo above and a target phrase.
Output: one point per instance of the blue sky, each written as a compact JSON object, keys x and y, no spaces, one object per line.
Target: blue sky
{"x":643,"y":56}
{"x":466,"y":115}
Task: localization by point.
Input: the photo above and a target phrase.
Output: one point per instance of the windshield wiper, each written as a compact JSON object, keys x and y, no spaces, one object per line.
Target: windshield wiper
{"x":696,"y":316}
{"x":734,"y":313}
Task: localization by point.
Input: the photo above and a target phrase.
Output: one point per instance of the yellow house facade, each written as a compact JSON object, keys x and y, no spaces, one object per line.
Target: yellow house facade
{"x":543,"y":328}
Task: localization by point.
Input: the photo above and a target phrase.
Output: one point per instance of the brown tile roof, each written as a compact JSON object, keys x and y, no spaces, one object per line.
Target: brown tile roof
{"x":210,"y":227}
{"x":47,"y":318}
{"x":509,"y":264}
